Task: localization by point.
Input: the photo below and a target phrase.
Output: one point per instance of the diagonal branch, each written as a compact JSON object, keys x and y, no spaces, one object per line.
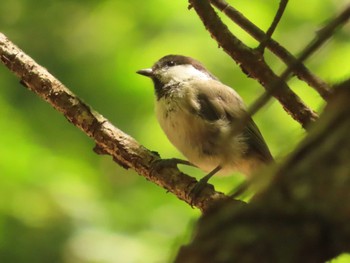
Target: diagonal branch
{"x":253,"y":63}
{"x":300,"y":71}
{"x":323,"y":35}
{"x":125,"y":150}
{"x":282,"y":6}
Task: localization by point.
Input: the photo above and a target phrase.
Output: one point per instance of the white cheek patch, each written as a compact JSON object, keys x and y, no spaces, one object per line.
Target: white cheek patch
{"x":182,"y":73}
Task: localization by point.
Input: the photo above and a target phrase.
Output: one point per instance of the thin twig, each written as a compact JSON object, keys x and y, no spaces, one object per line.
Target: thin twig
{"x":125,"y":150}
{"x":252,"y":63}
{"x":276,"y":20}
{"x":300,"y":71}
{"x":321,"y":37}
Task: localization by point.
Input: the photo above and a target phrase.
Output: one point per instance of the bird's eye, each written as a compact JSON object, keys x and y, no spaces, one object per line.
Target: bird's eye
{"x":170,"y":63}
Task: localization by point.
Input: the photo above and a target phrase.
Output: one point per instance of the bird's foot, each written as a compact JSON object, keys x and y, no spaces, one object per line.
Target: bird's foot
{"x":201,"y":184}
{"x":172,"y":162}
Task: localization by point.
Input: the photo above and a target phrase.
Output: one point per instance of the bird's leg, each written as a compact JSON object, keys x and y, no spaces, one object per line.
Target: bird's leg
{"x":202,"y":182}
{"x":206,"y":178}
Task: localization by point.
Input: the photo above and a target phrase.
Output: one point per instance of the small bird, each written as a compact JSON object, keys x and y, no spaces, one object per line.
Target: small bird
{"x":197,"y":113}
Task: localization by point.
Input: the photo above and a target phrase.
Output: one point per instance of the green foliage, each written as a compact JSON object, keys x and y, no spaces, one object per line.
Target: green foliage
{"x":60,"y":202}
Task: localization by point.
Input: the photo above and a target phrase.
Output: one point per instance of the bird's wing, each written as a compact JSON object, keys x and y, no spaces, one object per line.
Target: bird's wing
{"x":209,"y":109}
{"x":213,"y":101}
{"x":256,"y":141}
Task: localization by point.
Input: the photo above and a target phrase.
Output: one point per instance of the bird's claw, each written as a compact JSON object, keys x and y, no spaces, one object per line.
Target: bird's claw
{"x":160,"y":164}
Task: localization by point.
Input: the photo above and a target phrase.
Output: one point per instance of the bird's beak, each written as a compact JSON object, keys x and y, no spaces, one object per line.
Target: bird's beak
{"x":148,"y":72}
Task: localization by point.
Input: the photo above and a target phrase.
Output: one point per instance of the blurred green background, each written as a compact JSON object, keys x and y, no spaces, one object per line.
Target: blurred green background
{"x":59,"y":201}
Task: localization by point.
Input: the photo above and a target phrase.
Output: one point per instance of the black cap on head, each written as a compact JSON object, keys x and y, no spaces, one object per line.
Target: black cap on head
{"x":173,"y":60}
{"x":168,"y":62}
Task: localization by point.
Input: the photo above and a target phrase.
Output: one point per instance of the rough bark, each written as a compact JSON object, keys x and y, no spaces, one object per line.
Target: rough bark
{"x":302,"y":72}
{"x":253,"y":64}
{"x":124,"y":149}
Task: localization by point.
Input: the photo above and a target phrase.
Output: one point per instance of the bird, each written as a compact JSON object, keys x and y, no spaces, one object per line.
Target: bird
{"x":198,"y":114}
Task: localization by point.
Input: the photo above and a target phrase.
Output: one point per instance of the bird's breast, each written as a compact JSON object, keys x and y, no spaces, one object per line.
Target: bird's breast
{"x":189,"y":133}
{"x":175,"y":121}
{"x":180,"y":125}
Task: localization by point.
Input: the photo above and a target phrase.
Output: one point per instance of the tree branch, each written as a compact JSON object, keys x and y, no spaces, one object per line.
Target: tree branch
{"x":125,"y":150}
{"x":253,"y":63}
{"x":300,"y":71}
{"x":321,"y":37}
{"x":282,"y":6}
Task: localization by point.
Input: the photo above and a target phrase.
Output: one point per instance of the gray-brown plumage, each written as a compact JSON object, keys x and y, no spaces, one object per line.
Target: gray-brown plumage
{"x":197,"y":113}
